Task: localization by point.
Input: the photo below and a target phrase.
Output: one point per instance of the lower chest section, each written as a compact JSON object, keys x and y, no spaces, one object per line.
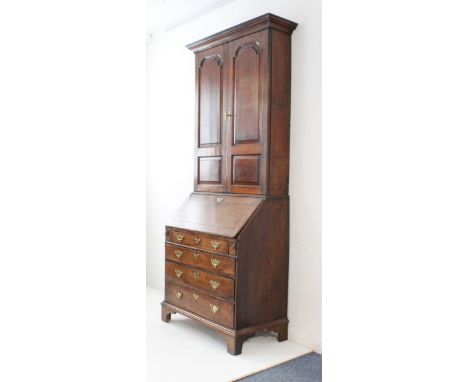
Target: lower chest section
{"x":201,"y":275}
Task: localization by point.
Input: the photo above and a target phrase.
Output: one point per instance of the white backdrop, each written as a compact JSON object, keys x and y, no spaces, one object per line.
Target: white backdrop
{"x":170,"y":145}
{"x":394,"y":184}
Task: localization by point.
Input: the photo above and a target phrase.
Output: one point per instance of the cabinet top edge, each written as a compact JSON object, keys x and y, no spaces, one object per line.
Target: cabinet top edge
{"x":257,"y":24}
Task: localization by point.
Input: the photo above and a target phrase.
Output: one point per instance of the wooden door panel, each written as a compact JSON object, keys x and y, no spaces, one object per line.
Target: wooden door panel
{"x":246,"y":87}
{"x":209,"y":169}
{"x":246,"y":139}
{"x":210,"y":104}
{"x":210,"y":90}
{"x":245,"y":169}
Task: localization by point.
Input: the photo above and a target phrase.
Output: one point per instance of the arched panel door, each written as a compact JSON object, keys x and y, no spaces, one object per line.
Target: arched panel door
{"x":247,"y":122}
{"x":210,"y":105}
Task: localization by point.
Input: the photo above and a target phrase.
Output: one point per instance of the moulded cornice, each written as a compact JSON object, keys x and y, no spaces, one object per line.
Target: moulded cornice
{"x":265,"y":21}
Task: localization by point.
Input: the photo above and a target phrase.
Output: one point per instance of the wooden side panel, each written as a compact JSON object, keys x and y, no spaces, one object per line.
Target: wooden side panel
{"x":262,"y":265}
{"x":280,"y":113}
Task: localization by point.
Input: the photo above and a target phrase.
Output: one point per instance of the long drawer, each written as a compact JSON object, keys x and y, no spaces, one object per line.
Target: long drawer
{"x":201,"y":241}
{"x":200,"y":303}
{"x":204,"y":260}
{"x":218,"y":285}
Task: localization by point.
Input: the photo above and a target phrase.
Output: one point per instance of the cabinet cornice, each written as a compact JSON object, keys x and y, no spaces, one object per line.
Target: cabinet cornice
{"x":257,"y":24}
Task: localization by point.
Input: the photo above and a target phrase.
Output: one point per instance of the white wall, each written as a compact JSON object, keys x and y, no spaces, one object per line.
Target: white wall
{"x":170,"y":145}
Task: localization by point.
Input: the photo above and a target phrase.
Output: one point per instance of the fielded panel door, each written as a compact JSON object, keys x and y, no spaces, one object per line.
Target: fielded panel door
{"x":247,"y":114}
{"x":211,"y":89}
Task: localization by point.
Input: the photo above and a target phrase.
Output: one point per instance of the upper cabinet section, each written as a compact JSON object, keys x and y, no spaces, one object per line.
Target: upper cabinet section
{"x":243,"y":108}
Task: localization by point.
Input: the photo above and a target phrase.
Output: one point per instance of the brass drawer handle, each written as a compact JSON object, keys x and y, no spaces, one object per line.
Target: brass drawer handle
{"x":214,"y":284}
{"x":214,"y":308}
{"x":180,"y":237}
{"x":196,"y":255}
{"x":196,"y":274}
{"x":178,"y":272}
{"x":178,"y":295}
{"x":178,"y":254}
{"x":215,"y":262}
{"x":215,"y":244}
{"x":195,"y":296}
{"x":196,"y":240}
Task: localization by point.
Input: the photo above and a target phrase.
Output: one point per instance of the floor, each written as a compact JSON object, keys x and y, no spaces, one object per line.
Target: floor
{"x":307,"y":368}
{"x":184,"y":350}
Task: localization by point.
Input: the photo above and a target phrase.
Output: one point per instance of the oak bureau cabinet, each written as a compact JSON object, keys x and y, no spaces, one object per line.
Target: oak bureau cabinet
{"x":227,"y":248}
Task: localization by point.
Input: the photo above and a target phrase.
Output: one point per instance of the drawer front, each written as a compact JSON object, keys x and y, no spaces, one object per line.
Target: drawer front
{"x":214,"y":309}
{"x":214,"y":284}
{"x":204,"y":260}
{"x":199,"y":241}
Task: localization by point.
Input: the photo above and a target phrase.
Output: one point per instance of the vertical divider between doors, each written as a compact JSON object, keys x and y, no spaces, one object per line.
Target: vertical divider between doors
{"x":225,"y":141}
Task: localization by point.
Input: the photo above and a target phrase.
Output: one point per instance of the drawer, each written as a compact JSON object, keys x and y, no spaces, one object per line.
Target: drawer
{"x":204,"y":260}
{"x":200,"y":241}
{"x":212,"y":308}
{"x":218,"y":285}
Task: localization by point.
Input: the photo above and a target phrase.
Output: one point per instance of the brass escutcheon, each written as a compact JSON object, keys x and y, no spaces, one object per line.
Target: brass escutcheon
{"x":180,"y":237}
{"x":196,"y":240}
{"x":196,"y":274}
{"x":215,"y":244}
{"x":178,"y":294}
{"x":178,"y":254}
{"x":196,"y":255}
{"x":195,"y":296}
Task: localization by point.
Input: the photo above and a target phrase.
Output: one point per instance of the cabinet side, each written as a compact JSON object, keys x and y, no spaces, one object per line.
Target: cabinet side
{"x":280,"y":113}
{"x":262,"y":265}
